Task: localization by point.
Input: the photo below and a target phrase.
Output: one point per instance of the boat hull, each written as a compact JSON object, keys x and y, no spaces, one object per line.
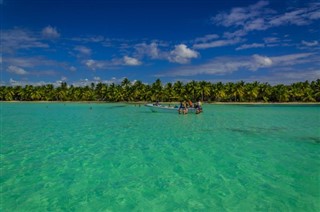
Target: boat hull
{"x":165,"y":109}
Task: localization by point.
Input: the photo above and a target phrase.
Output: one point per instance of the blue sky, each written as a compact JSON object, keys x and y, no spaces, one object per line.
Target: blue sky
{"x":84,"y":41}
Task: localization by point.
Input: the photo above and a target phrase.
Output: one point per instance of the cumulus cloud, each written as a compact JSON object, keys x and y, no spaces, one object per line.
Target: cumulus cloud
{"x":130,"y":61}
{"x":110,"y":64}
{"x":93,"y":64}
{"x":182,"y":54}
{"x":16,"y":70}
{"x":179,"y":54}
{"x":260,"y":62}
{"x":151,"y":50}
{"x":50,"y":32}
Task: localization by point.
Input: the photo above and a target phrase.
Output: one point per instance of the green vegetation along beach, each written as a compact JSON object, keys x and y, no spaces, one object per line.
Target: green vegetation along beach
{"x":193,"y":90}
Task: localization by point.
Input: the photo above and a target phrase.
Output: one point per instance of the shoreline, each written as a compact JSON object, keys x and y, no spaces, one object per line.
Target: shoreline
{"x":143,"y":102}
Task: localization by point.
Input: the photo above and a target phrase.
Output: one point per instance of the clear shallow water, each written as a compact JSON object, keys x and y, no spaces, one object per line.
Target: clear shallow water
{"x":121,"y":158}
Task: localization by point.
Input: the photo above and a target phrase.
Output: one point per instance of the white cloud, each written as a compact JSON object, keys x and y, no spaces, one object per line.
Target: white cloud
{"x":260,"y":17}
{"x":83,"y":50}
{"x":94,"y":64}
{"x":110,"y":64}
{"x":260,"y":62}
{"x":301,"y":16}
{"x":182,"y":54}
{"x":130,"y":61}
{"x":241,"y":16}
{"x":50,"y":32}
{"x":287,"y":77}
{"x":236,"y":34}
{"x":48,"y":67}
{"x":206,"y":38}
{"x":249,"y":46}
{"x":271,"y":40}
{"x":227,"y":65}
{"x":293,"y":59}
{"x":15,"y":39}
{"x":276,"y":77}
{"x":217,"y":43}
{"x":151,"y":50}
{"x":310,"y":43}
{"x":72,"y":68}
{"x":218,"y":66}
{"x":257,"y":24}
{"x":13,"y":82}
{"x":86,"y":82}
{"x":90,"y":39}
{"x":16,"y":70}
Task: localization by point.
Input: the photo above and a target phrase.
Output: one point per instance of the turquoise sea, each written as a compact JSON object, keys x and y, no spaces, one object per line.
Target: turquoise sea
{"x":121,"y":157}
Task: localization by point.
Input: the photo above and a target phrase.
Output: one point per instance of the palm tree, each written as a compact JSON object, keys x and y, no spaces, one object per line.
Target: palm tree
{"x":280,"y":93}
{"x":264,"y":92}
{"x":101,"y":91}
{"x":8,"y":94}
{"x":315,"y":86}
{"x":192,"y":90}
{"x":204,"y":88}
{"x":239,"y":91}
{"x":157,"y":91}
{"x":138,"y":91}
{"x":125,"y":85}
{"x":252,"y":91}
{"x":218,"y":92}
{"x":179,"y":89}
{"x":87,"y":94}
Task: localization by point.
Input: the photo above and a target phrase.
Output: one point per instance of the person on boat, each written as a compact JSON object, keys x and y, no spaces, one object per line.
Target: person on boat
{"x":181,"y":108}
{"x":185,"y":108}
{"x":157,"y":103}
{"x":198,"y":107}
{"x":190,"y":103}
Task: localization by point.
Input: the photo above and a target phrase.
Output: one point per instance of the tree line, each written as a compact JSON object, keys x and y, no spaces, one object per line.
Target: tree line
{"x":168,"y":92}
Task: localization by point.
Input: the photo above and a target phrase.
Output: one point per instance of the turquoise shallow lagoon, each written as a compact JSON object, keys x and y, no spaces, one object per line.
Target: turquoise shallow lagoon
{"x":118,"y":157}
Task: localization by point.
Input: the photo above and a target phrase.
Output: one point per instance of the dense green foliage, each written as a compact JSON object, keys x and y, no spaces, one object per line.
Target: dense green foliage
{"x":137,"y":91}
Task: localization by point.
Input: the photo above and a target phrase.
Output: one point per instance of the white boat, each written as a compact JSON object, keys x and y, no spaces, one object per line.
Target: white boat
{"x":166,"y":108}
